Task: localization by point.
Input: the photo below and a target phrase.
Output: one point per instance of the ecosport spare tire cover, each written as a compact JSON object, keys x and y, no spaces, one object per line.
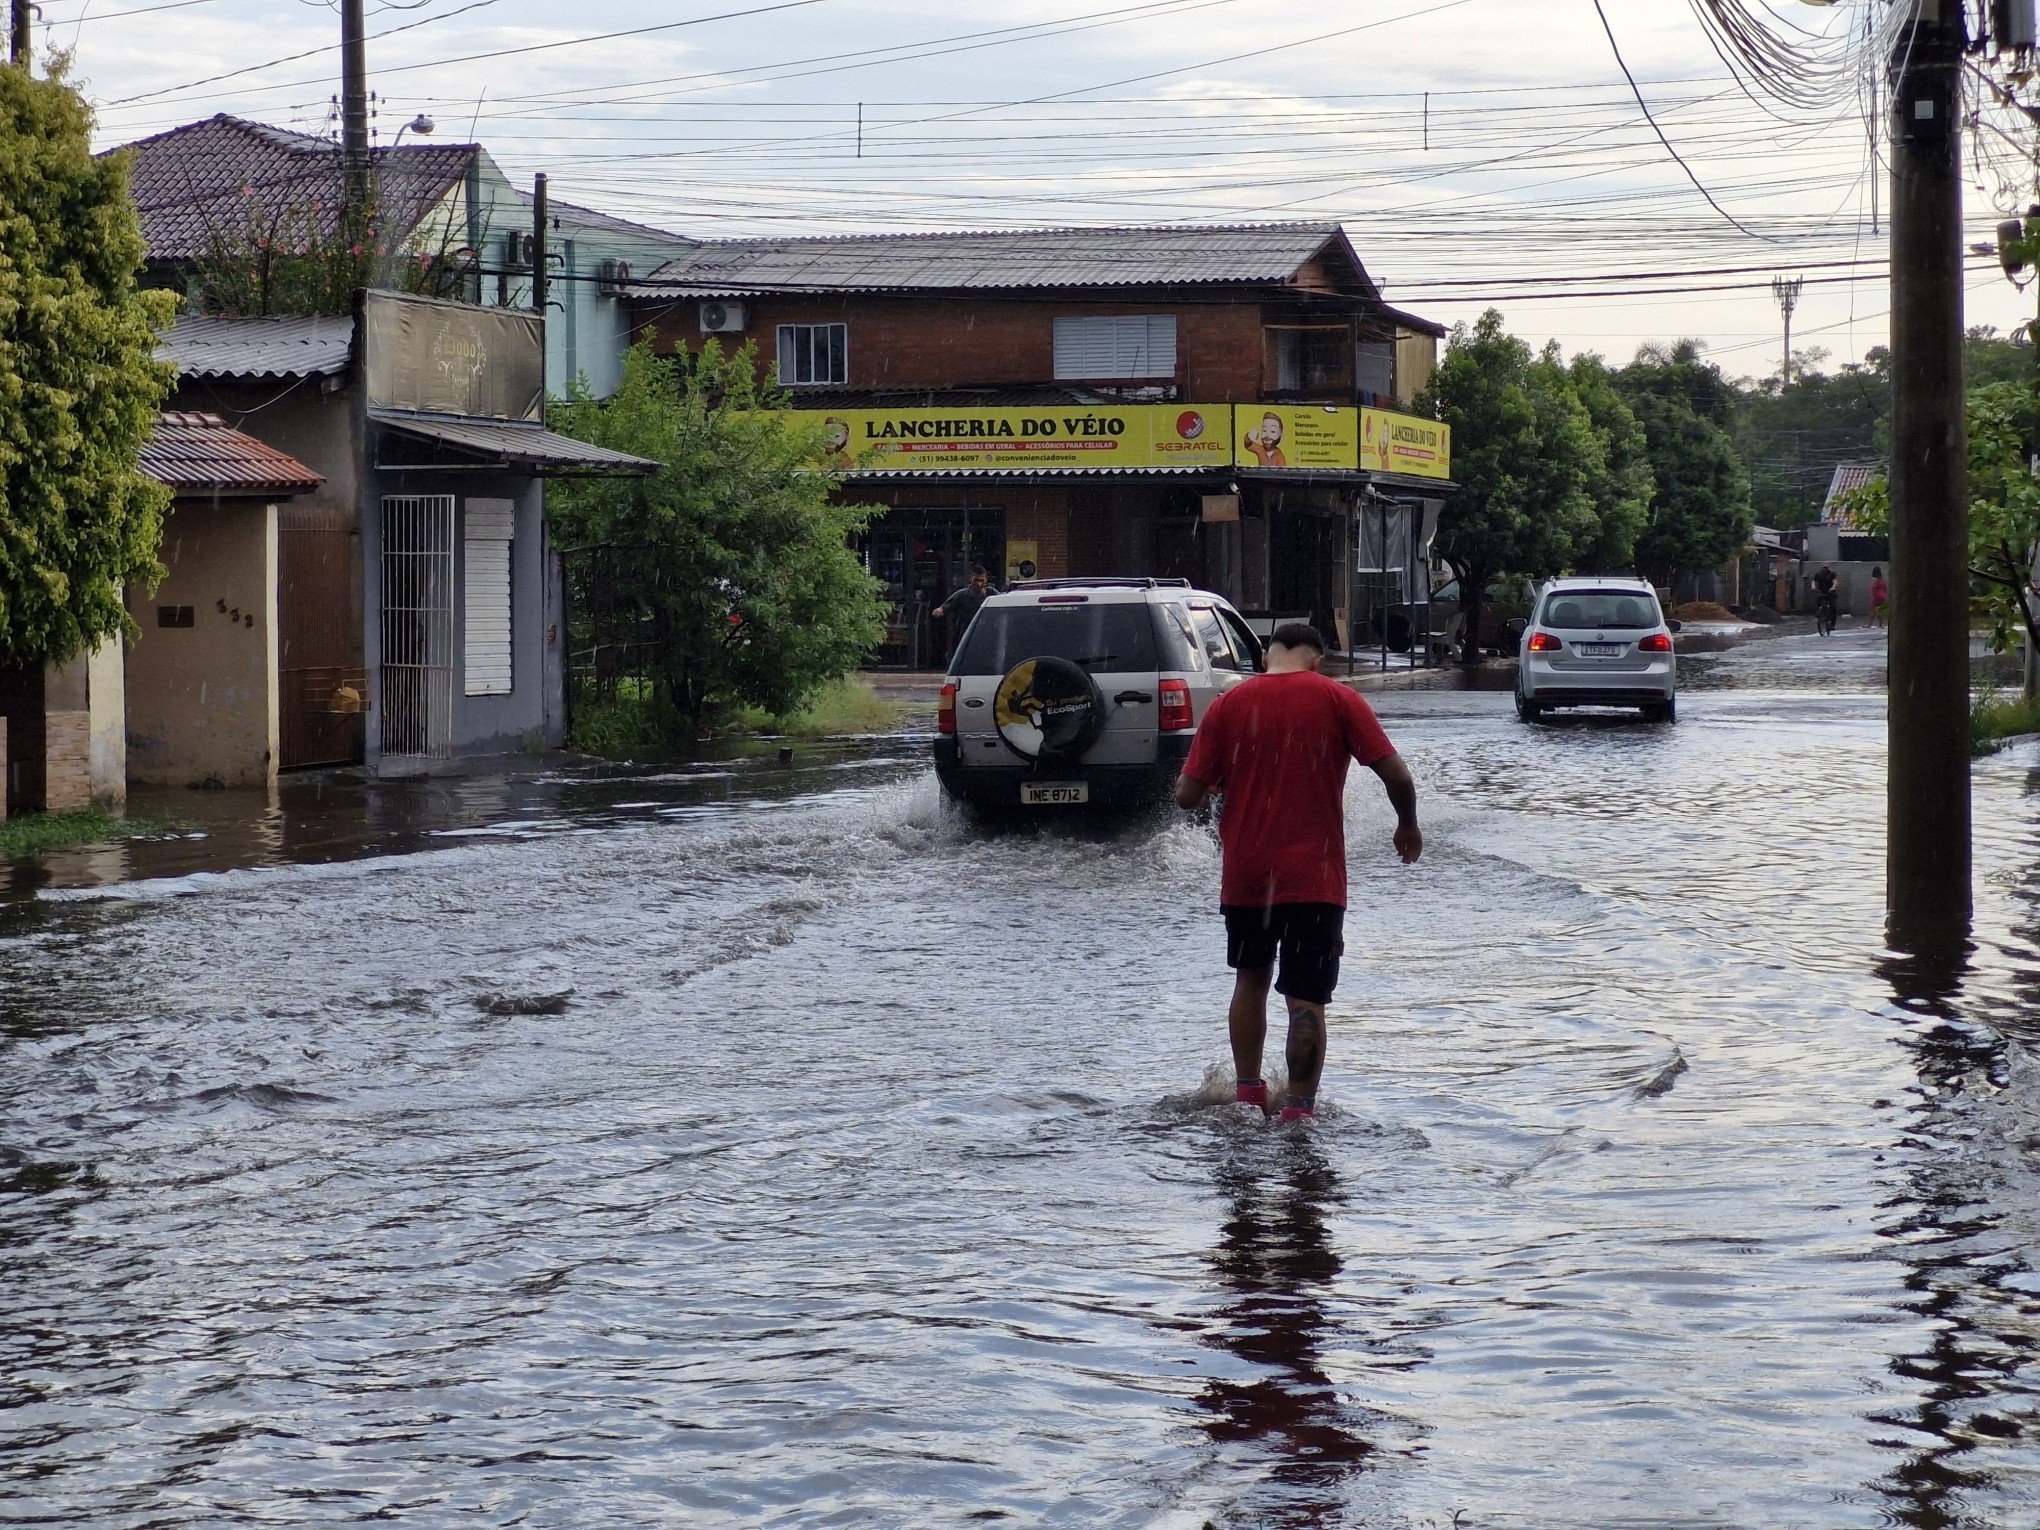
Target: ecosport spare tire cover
{"x":1047,"y":709}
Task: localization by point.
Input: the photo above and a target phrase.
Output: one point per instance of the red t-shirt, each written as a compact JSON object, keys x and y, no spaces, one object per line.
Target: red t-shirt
{"x":1278,"y":746}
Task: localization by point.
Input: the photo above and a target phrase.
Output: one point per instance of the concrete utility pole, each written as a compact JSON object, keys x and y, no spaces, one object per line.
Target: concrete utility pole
{"x":1787,"y":294}
{"x":1927,"y":866}
{"x":539,"y":219}
{"x":354,"y":164}
{"x":19,"y":41}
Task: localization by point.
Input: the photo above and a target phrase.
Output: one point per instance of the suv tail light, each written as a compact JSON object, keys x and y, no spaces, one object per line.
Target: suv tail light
{"x":945,"y":708}
{"x":1657,"y":642}
{"x":1544,"y":642}
{"x":1175,"y":708}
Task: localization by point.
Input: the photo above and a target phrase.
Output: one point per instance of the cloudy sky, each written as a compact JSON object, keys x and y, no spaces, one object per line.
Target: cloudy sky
{"x":1478,"y":151}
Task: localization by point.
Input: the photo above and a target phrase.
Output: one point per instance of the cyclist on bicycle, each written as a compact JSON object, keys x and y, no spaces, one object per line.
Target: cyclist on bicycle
{"x":1824,"y":599}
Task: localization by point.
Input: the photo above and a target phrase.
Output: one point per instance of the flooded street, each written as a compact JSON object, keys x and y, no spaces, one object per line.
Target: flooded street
{"x":781,"y":1152}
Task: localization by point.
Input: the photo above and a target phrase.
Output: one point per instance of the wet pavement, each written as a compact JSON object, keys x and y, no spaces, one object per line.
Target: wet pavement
{"x":767,"y":1148}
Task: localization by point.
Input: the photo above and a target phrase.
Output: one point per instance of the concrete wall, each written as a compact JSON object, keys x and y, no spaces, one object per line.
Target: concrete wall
{"x":202,"y":700}
{"x":315,"y":424}
{"x":85,"y":730}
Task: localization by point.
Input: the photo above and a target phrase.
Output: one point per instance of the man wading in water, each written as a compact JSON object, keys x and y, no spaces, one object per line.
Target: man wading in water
{"x":1277,"y":747}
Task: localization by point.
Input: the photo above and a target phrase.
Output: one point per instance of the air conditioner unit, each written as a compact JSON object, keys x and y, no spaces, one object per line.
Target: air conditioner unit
{"x":611,"y":277}
{"x":520,"y":249}
{"x":722,"y":318}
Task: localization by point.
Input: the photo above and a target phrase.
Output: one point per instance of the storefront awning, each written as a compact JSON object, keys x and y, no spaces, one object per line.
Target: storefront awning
{"x":459,"y":441}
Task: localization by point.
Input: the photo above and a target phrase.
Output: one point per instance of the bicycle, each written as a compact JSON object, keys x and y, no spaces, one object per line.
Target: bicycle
{"x":1824,"y":614}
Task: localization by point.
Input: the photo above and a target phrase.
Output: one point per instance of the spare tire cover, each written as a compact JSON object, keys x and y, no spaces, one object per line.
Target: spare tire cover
{"x":1048,"y":709}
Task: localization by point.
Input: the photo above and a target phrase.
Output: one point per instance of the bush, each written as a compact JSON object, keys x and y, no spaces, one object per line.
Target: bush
{"x":1994,"y":718}
{"x":640,"y":722}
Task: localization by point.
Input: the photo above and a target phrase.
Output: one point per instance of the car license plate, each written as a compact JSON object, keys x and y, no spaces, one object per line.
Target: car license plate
{"x":1053,"y":793}
{"x":1601,"y":650}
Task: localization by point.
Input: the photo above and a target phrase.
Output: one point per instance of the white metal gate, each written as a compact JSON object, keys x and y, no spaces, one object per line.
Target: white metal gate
{"x":417,"y":625}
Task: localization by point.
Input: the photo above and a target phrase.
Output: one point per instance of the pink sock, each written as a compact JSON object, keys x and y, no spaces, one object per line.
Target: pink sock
{"x":1300,"y":1112}
{"x":1251,"y":1091}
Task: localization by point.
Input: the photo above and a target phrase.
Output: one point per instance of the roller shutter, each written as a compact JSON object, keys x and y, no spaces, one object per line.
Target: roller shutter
{"x":490,"y":525}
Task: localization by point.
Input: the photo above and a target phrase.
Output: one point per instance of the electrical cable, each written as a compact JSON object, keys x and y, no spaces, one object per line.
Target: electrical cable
{"x":1644,"y":107}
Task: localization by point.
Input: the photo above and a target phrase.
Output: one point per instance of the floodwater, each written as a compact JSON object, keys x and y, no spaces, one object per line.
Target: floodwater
{"x":795,"y":1156}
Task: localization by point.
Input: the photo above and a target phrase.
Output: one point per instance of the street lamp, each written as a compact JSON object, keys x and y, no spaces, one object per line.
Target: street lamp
{"x":421,"y":124}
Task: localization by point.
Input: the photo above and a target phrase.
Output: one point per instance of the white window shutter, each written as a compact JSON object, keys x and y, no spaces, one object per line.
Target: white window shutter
{"x":490,"y":528}
{"x":1139,"y":345}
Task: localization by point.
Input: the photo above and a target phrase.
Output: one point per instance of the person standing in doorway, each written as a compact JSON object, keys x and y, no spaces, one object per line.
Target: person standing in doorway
{"x":1880,"y":596}
{"x":1278,"y":747}
{"x":958,"y":610}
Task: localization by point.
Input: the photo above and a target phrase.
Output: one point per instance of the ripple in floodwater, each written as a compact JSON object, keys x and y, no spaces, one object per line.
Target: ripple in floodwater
{"x":833,"y":1165}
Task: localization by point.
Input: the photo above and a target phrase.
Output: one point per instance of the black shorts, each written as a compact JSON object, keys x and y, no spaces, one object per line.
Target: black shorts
{"x":1309,"y":937}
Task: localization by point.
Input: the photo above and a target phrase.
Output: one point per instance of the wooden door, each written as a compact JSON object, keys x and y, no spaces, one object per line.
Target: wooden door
{"x":324,"y":687}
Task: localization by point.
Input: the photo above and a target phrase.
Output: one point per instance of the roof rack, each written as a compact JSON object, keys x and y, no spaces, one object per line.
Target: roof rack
{"x":1110,"y":582}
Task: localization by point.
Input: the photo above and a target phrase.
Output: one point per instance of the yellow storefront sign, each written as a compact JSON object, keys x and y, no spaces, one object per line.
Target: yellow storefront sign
{"x":1403,"y":443}
{"x":1296,"y":436}
{"x":1141,"y":437}
{"x":1145,"y":436}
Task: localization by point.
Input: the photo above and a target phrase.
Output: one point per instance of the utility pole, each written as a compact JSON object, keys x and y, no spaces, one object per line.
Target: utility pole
{"x":1927,"y":865}
{"x":20,"y":43}
{"x":354,"y":164}
{"x":1787,"y":294}
{"x":539,"y":220}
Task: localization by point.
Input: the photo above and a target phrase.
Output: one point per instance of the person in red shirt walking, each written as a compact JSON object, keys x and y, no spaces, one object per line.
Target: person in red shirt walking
{"x":1277,"y":747}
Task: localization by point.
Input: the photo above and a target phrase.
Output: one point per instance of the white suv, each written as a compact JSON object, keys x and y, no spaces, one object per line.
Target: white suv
{"x":1085,"y":692}
{"x":1598,"y":642}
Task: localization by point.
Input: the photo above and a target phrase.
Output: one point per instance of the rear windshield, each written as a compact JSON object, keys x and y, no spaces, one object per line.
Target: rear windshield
{"x":1600,"y":608}
{"x":1095,"y":635}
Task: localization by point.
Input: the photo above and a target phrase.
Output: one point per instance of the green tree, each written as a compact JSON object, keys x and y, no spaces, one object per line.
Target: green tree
{"x":1791,"y":439}
{"x":1700,"y":516}
{"x":735,"y":554}
{"x":79,"y":383}
{"x":1624,"y":485}
{"x":1526,"y":457}
{"x":2004,"y":511}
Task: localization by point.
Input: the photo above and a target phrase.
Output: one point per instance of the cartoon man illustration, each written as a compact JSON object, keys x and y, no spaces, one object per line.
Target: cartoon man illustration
{"x":836,"y":442}
{"x":1265,"y":442}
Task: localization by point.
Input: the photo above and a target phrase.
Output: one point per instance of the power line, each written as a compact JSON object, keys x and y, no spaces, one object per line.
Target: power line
{"x":1644,"y":107}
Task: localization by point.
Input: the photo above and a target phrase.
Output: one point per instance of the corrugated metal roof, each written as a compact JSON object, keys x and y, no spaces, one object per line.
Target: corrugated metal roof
{"x":1036,"y":258}
{"x":270,"y":349}
{"x":944,"y":398}
{"x":573,"y":213}
{"x":511,"y":443}
{"x":229,"y":180}
{"x":202,"y":454}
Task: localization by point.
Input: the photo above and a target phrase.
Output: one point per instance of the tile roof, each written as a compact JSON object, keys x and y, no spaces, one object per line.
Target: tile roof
{"x":202,"y":455}
{"x":1848,"y":476}
{"x":1035,"y":258}
{"x":945,"y":398}
{"x":224,"y":175}
{"x":260,"y":350}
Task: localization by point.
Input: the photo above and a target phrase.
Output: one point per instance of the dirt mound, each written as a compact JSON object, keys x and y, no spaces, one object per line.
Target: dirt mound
{"x":1762,"y":615}
{"x":1705,"y":611}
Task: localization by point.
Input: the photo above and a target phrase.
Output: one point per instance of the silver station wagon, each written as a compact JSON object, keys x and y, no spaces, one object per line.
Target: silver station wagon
{"x":1598,"y":641}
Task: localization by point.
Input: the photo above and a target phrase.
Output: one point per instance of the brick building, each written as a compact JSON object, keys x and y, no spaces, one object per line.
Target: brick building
{"x":1168,"y":401}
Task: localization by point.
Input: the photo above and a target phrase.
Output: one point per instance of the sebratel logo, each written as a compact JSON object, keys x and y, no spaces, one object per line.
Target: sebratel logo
{"x":1189,"y":424}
